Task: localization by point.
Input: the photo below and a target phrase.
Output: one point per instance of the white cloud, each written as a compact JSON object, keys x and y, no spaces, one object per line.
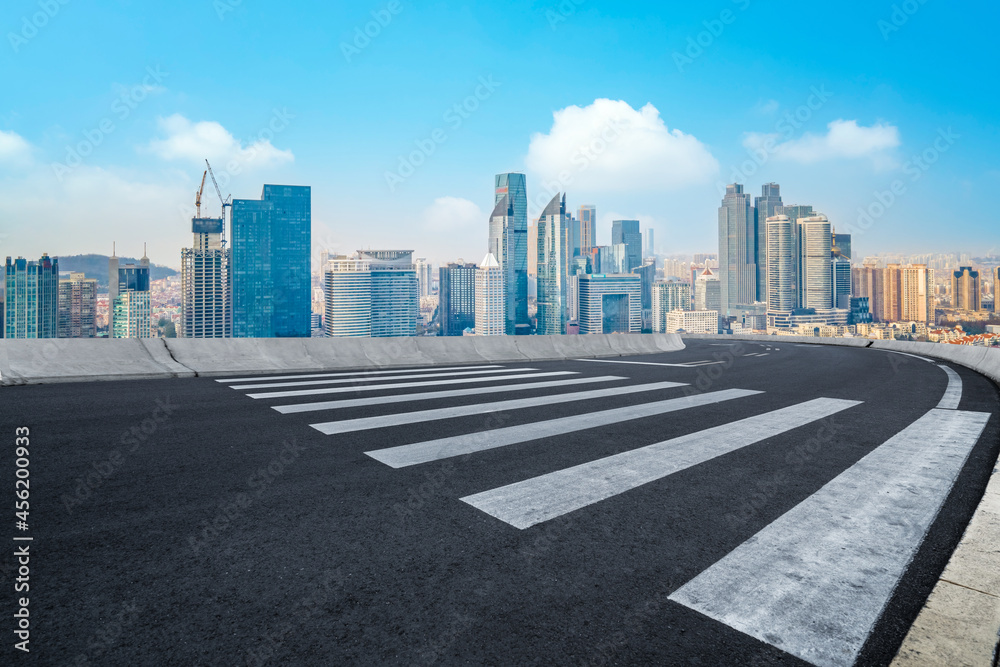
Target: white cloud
{"x":450,"y":214}
{"x":611,"y":147}
{"x":14,"y":149}
{"x":767,"y":108}
{"x":186,"y":140}
{"x":844,"y":140}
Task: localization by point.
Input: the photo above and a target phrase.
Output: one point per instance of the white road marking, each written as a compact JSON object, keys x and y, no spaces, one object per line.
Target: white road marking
{"x":444,"y":448}
{"x":953,"y":394}
{"x":907,"y":354}
{"x":384,"y":378}
{"x":406,"y":385}
{"x":399,"y":419}
{"x":432,"y":395}
{"x":264,"y":378}
{"x":815,"y":581}
{"x":690,"y":364}
{"x":533,"y":501}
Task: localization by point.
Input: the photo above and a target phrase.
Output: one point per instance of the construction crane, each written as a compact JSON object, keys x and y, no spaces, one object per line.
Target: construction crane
{"x":197,"y":199}
{"x":225,"y":201}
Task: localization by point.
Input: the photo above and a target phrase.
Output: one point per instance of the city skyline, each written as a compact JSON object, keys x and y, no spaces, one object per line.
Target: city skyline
{"x":870,"y":152}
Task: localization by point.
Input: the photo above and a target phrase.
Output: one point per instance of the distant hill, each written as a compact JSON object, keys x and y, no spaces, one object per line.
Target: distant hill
{"x":96,"y":266}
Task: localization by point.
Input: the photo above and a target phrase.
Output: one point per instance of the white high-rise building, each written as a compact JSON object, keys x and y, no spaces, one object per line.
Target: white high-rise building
{"x":707,"y":291}
{"x":374,"y":294}
{"x":425,"y":277}
{"x":206,"y":301}
{"x":815,"y":277}
{"x":668,"y":297}
{"x":553,"y":269}
{"x":490,"y":318}
{"x":782,"y":296}
{"x":693,"y":321}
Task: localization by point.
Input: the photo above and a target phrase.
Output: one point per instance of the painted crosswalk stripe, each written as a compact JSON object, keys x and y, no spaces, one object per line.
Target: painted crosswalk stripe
{"x":399,"y":419}
{"x":383,"y":378}
{"x":533,"y":501}
{"x":433,"y":395}
{"x":689,"y":364}
{"x":406,"y":385}
{"x":815,"y":581}
{"x":389,"y":371}
{"x":953,"y":394}
{"x":444,"y":448}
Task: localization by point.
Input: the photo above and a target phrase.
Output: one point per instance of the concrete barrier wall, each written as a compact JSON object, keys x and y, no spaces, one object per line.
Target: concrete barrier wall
{"x":75,"y":360}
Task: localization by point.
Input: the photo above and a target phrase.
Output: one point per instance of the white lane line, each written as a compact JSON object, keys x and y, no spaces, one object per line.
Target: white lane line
{"x":953,"y":394}
{"x":815,"y":581}
{"x":407,"y":385}
{"x":399,"y":419}
{"x":383,"y":378}
{"x":432,"y":395}
{"x":444,"y":448}
{"x":266,"y":378}
{"x":533,"y":501}
{"x":907,"y":354}
{"x":690,"y":364}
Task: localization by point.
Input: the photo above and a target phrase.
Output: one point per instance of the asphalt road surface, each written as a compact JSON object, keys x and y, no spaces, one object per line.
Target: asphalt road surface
{"x":731,"y":504}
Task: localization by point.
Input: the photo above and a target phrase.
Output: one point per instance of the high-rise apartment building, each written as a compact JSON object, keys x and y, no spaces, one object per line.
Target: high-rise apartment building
{"x":588,"y":229}
{"x":509,"y":244}
{"x":765,"y":207}
{"x":610,"y":303}
{"x":707,"y":291}
{"x":374,"y":294}
{"x":457,"y":304}
{"x":815,"y":279}
{"x":916,"y":293}
{"x":489,"y":290}
{"x":737,"y":250}
{"x":206,"y":301}
{"x":553,"y":272}
{"x":782,"y":289}
{"x":271,"y":248}
{"x":626,"y":232}
{"x":996,"y":290}
{"x":129,"y":303}
{"x":31,"y":306}
{"x":965,"y":294}
{"x":425,"y":277}
{"x":77,"y":307}
{"x":668,"y":297}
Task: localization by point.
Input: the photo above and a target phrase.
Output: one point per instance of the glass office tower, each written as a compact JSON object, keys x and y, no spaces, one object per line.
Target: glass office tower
{"x":32,"y":299}
{"x":626,"y":232}
{"x":553,"y":269}
{"x":509,"y":244}
{"x":271,"y":279}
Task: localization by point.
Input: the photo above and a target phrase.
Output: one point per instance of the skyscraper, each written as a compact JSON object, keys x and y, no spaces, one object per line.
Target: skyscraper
{"x":509,"y":244}
{"x":77,"y":307}
{"x":128,"y":301}
{"x":668,"y":297}
{"x":627,"y":232}
{"x":996,"y":290}
{"x":425,"y":277}
{"x":650,"y":245}
{"x":610,"y":303}
{"x":32,"y":298}
{"x":840,"y":274}
{"x":271,"y":281}
{"x":457,"y":306}
{"x":372,"y":295}
{"x":765,"y":207}
{"x":916,"y":293}
{"x":842,"y":246}
{"x":707,"y":291}
{"x":206,"y":302}
{"x":490,"y":320}
{"x":553,"y":265}
{"x":965,"y":294}
{"x":782,"y":290}
{"x":737,"y":250}
{"x":647,"y":272}
{"x":588,"y":229}
{"x":816,"y":283}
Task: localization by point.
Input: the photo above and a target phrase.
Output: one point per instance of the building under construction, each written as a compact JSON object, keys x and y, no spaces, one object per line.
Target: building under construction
{"x":205,"y":276}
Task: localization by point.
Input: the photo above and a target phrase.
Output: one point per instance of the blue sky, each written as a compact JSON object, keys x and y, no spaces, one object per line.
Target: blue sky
{"x":642,"y":109}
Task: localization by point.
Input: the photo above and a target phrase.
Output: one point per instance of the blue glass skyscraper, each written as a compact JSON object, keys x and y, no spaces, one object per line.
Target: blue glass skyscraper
{"x":626,"y":232}
{"x":509,"y":244}
{"x":271,"y":280}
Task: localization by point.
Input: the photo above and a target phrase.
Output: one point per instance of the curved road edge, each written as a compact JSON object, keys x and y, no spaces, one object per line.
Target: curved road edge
{"x":960,"y":622}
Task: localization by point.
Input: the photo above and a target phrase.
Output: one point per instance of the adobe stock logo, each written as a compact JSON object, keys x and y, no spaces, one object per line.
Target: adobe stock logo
{"x":363,"y":36}
{"x":30,"y":25}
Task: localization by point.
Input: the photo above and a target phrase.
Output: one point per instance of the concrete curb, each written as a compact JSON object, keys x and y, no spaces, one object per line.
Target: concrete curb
{"x":960,"y":623}
{"x":84,"y":360}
